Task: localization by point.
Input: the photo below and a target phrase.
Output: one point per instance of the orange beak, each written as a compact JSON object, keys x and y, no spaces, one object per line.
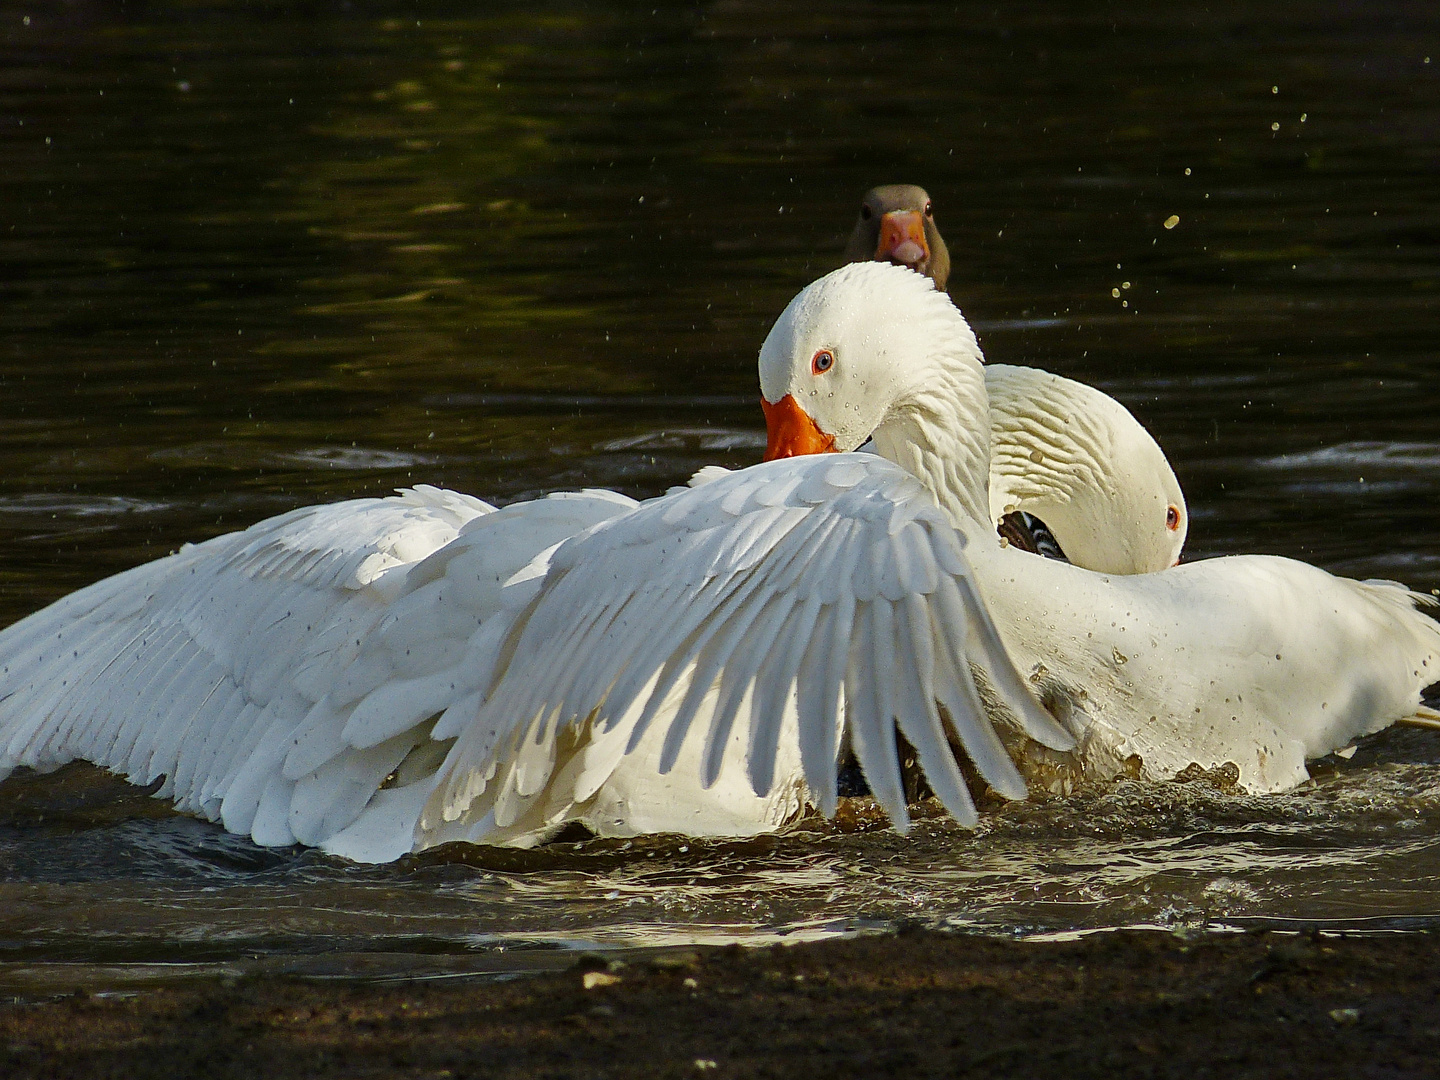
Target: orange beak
{"x":902,"y":240}
{"x":789,"y":431}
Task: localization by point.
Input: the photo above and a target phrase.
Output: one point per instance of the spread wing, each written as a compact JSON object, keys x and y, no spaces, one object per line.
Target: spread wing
{"x":829,"y":587}
{"x":276,"y":677}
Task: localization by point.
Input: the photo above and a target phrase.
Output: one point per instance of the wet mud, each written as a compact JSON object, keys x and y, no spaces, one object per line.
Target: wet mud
{"x":912,"y":1004}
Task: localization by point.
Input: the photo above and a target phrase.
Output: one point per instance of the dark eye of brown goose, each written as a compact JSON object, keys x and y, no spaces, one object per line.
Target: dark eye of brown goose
{"x":929,"y":212}
{"x":865,"y":212}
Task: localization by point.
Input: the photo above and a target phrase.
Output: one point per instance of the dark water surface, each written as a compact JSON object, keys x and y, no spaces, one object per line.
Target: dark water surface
{"x":255,"y":256}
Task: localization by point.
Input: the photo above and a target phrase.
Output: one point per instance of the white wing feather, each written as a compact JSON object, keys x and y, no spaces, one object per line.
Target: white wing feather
{"x":277,"y":676}
{"x":802,"y":583}
{"x":302,"y":680}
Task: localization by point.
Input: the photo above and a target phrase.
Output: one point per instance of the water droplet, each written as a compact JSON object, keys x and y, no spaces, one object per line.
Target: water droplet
{"x":1275,"y":126}
{"x":1173,"y":219}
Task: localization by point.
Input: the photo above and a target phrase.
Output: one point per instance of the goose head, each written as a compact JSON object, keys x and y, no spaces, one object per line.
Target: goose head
{"x":874,"y":351}
{"x":1077,"y":459}
{"x":897,"y":225}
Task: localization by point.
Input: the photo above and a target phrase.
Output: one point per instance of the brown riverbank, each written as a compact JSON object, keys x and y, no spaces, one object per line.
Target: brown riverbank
{"x":913,"y":1005}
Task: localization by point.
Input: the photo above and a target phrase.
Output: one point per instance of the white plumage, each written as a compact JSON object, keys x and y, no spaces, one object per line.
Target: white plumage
{"x":389,"y":674}
{"x":303,"y":680}
{"x":702,"y":624}
{"x":277,"y":676}
{"x":1249,"y":662}
{"x":1075,"y":457}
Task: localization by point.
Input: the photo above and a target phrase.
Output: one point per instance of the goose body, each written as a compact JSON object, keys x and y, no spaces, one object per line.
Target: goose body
{"x":1249,"y":665}
{"x":1100,"y":477}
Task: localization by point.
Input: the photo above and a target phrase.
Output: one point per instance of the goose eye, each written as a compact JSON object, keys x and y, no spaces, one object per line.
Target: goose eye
{"x":865,"y":212}
{"x":929,"y":210}
{"x":1172,"y":517}
{"x":822,"y":362}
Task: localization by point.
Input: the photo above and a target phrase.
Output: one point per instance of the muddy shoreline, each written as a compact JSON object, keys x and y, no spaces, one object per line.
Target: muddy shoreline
{"x":1129,"y":1003}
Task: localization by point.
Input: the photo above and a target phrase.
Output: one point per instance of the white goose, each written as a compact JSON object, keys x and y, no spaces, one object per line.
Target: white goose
{"x":284,"y":680}
{"x":1248,"y":664}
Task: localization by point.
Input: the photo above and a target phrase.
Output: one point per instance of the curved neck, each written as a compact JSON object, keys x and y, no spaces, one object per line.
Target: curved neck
{"x":941,"y":436}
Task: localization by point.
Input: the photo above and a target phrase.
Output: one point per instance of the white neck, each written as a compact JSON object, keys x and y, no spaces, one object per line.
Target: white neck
{"x":940,"y":433}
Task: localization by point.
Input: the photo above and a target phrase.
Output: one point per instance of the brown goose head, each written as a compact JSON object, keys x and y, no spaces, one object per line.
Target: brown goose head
{"x":897,"y":225}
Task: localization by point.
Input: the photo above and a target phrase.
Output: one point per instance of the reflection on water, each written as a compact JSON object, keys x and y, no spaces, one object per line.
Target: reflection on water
{"x":93,"y":879}
{"x":255,"y":256}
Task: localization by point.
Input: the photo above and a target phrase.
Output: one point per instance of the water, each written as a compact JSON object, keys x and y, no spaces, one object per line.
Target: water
{"x":257,"y":256}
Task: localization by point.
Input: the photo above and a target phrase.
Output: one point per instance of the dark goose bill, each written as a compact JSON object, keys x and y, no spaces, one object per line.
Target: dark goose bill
{"x":1029,"y":533}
